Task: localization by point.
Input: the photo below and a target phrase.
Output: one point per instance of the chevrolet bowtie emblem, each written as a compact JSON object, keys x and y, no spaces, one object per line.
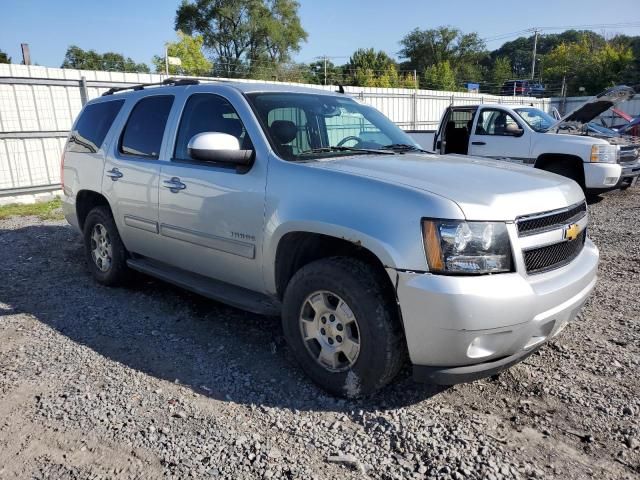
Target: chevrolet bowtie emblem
{"x":572,"y":231}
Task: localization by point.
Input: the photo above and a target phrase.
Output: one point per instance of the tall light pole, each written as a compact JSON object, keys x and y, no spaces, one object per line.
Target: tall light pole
{"x":325,"y":69}
{"x":535,"y":47}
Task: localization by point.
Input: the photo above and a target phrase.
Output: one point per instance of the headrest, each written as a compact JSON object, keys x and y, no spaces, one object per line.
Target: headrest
{"x":284,"y":131}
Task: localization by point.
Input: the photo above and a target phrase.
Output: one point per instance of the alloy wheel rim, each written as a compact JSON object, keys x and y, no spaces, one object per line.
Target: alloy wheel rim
{"x":101,"y":250}
{"x":330,"y":331}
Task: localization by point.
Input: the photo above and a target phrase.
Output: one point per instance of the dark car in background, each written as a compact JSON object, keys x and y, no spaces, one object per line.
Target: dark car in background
{"x":522,"y":88}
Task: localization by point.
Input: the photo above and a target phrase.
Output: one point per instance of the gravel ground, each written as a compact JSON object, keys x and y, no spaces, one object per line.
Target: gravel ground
{"x":150,"y":381}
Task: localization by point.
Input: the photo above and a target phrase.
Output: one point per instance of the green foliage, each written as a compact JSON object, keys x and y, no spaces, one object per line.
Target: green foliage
{"x":189,"y":50}
{"x":440,"y":76}
{"x":587,"y":64}
{"x":335,"y":73}
{"x":76,"y":57}
{"x":4,"y":58}
{"x":51,"y":210}
{"x":500,"y":73}
{"x":370,"y":68}
{"x":251,"y":37}
{"x":464,"y":52}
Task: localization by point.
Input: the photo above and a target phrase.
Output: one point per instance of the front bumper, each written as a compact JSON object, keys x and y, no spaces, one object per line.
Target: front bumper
{"x":629,"y":172}
{"x":601,"y":175}
{"x":459,"y":328}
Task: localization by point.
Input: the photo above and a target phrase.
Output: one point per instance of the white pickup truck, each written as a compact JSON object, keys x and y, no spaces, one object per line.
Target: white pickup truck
{"x":527,"y":135}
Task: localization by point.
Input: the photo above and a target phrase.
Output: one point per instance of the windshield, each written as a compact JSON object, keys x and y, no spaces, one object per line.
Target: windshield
{"x":536,"y":119}
{"x":304,"y":126}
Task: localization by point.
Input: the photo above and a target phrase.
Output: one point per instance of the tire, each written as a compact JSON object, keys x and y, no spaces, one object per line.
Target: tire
{"x":381,"y":347}
{"x":566,"y":170}
{"x":114,"y":271}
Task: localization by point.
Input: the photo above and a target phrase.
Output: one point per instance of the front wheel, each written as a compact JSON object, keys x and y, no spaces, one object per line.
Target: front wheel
{"x":342,"y":327}
{"x":105,"y":253}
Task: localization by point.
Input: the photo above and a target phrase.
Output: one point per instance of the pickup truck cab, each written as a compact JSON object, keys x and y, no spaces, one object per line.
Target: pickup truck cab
{"x":303,"y":203}
{"x":529,"y":136}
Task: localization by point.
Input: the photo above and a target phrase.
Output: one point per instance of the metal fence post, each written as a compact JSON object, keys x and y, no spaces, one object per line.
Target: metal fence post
{"x":84,"y":94}
{"x":415,"y":109}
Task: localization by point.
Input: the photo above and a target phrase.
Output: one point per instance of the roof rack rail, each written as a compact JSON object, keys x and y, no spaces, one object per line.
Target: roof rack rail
{"x":176,"y":82}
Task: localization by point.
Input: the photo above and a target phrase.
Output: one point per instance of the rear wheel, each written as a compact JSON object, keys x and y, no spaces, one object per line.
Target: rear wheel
{"x":342,"y":327}
{"x":105,"y":253}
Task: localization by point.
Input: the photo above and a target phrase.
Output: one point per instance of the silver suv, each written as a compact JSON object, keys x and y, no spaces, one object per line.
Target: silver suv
{"x":305,"y":203}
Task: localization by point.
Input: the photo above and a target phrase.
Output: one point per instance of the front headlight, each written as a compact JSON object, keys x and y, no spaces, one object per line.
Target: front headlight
{"x":604,"y":154}
{"x":459,"y":247}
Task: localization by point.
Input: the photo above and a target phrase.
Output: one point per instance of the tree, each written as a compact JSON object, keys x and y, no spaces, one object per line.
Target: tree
{"x":244,"y":35}
{"x":591,"y":65}
{"x":4,"y":58}
{"x":76,"y":57}
{"x":631,"y":74}
{"x":520,"y":51}
{"x":440,"y":77}
{"x":189,"y":50}
{"x":366,"y":65}
{"x":463,"y":51}
{"x":335,"y":73}
{"x":500,"y":73}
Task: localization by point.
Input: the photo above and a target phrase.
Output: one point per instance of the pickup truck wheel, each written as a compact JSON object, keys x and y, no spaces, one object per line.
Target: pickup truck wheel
{"x":104,"y":250}
{"x":342,"y":328}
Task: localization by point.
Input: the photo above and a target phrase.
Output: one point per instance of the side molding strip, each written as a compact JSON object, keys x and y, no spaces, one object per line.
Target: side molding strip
{"x":234,"y":247}
{"x":141,"y":223}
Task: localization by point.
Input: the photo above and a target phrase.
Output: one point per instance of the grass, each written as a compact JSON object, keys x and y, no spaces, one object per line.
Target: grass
{"x":50,"y":210}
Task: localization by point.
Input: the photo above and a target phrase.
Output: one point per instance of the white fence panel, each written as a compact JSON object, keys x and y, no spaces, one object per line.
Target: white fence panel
{"x":38,"y":106}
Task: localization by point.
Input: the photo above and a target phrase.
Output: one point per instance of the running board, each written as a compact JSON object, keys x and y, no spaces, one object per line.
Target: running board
{"x":214,"y":289}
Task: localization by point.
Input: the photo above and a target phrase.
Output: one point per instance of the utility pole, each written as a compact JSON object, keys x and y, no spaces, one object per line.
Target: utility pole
{"x":325,"y":68}
{"x":166,"y":60}
{"x":26,"y":54}
{"x":563,"y":94}
{"x":535,"y":48}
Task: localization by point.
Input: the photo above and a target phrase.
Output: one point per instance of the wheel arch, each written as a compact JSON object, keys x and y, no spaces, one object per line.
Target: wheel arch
{"x":87,"y":200}
{"x":297,"y":248}
{"x":547,"y":162}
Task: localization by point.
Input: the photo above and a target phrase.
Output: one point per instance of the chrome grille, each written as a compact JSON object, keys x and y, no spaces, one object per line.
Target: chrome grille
{"x":543,"y":259}
{"x":533,"y":224}
{"x":629,"y":153}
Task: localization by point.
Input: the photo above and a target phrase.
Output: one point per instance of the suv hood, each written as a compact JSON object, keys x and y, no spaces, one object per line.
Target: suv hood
{"x":595,"y":106}
{"x":484,"y":189}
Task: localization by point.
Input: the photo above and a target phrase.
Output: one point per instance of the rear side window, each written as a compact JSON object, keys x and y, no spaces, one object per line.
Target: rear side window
{"x":142,"y":135}
{"x":92,"y":126}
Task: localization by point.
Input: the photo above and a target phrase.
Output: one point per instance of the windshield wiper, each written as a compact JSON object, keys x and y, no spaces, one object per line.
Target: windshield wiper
{"x":343,"y":149}
{"x":403,"y":147}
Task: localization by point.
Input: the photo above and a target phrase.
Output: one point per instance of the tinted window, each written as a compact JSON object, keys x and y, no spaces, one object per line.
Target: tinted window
{"x":142,"y":136}
{"x":206,"y":112}
{"x":92,"y":126}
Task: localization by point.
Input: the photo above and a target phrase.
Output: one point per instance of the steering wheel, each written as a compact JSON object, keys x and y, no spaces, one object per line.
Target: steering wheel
{"x":348,"y":139}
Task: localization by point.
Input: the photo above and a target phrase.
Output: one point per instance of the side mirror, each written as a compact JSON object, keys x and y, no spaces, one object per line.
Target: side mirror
{"x":218,"y":147}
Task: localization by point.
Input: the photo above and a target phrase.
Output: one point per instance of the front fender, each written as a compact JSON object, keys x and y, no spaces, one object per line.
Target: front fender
{"x":382,"y":217}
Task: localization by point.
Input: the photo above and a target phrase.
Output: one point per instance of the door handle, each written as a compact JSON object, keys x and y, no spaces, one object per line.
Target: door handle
{"x":478,"y":143}
{"x":175,"y":185}
{"x":114,"y":174}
